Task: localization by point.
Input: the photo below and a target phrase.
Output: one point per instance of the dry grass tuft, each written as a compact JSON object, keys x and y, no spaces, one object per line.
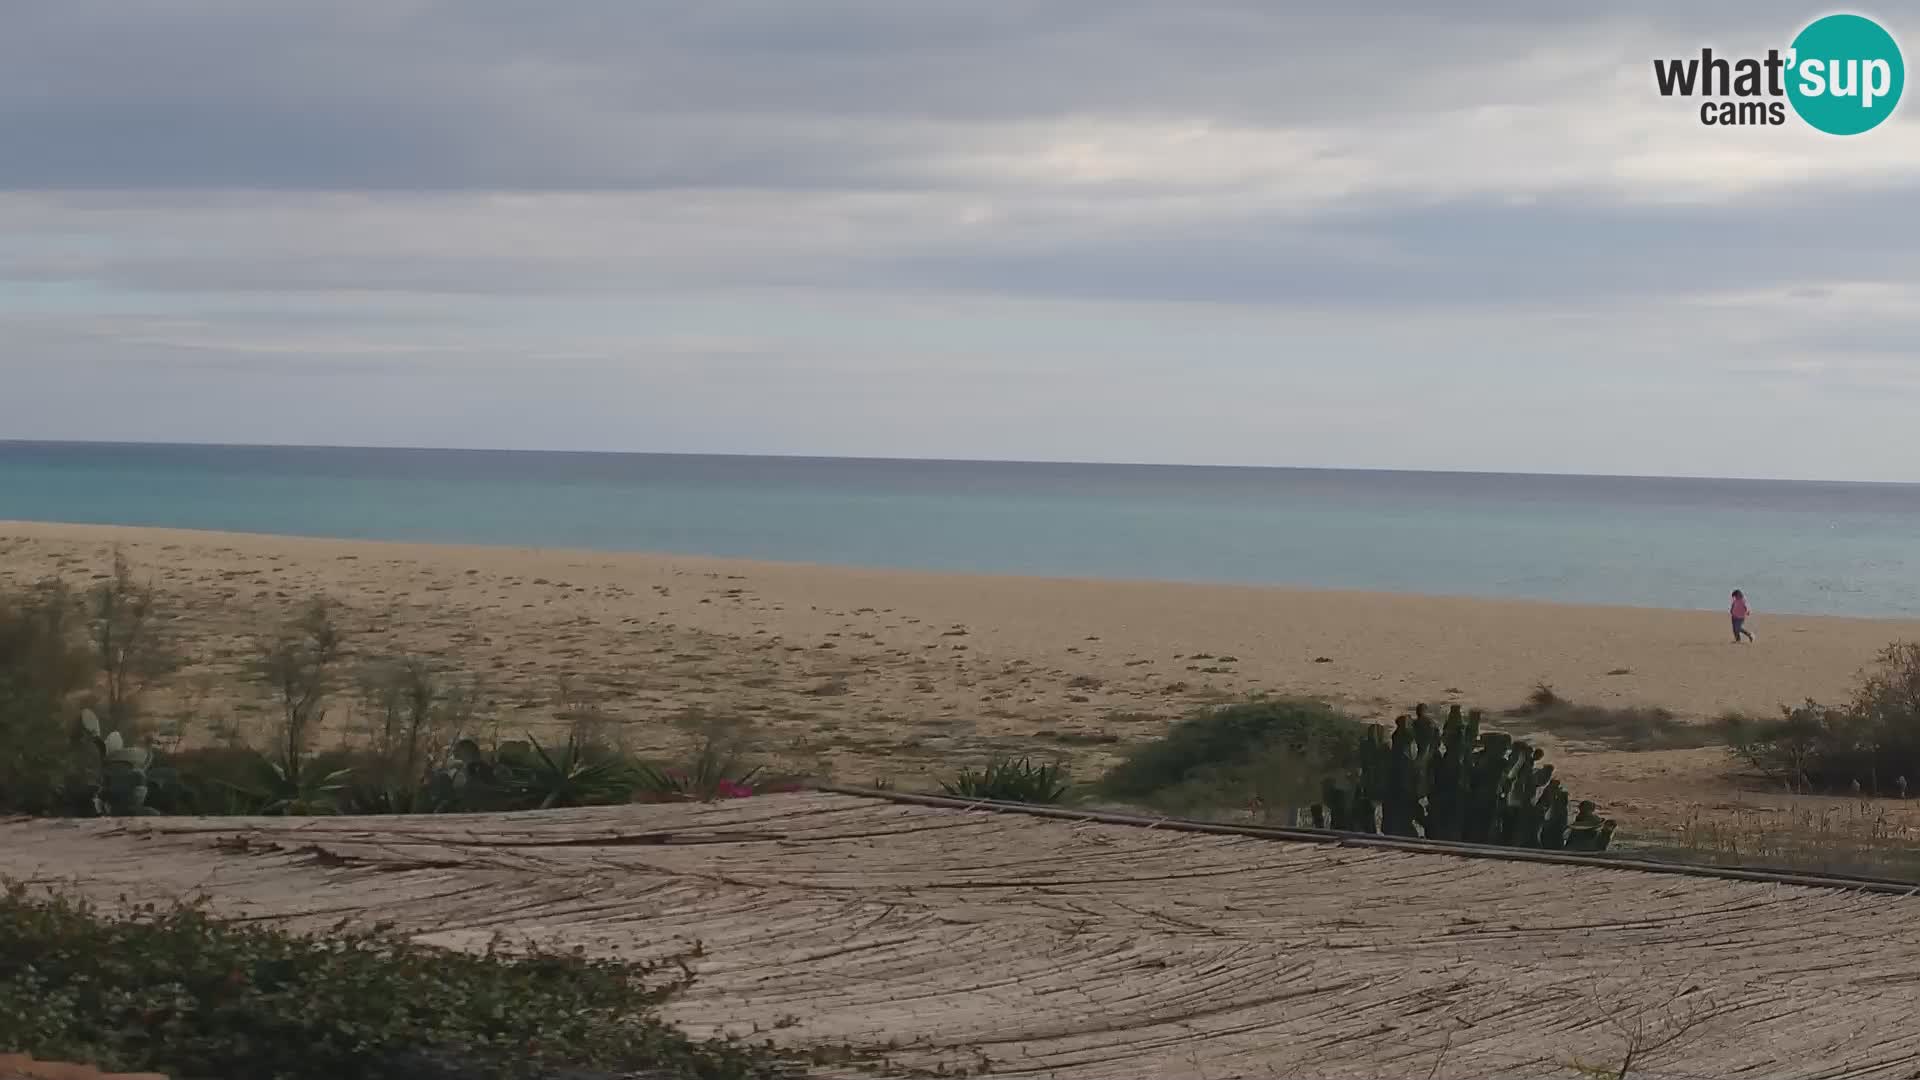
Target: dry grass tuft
{"x":1614,"y":727}
{"x":1862,"y":837}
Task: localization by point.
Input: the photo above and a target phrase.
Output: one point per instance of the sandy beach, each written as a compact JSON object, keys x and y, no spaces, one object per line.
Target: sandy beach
{"x":868,"y":674}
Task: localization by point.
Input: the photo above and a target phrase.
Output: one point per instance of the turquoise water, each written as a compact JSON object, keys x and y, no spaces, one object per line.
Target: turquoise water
{"x":1821,"y":548}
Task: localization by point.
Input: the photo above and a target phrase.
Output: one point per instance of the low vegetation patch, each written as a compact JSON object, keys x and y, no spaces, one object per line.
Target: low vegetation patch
{"x":1077,"y":738}
{"x":1868,"y":746}
{"x":1302,"y":762}
{"x":75,"y":739}
{"x":178,"y":992}
{"x":74,"y":668}
{"x":1267,"y":754}
{"x":1857,"y":836}
{"x":1011,"y":780}
{"x":719,"y":769}
{"x":44,"y":667}
{"x":1614,"y":727}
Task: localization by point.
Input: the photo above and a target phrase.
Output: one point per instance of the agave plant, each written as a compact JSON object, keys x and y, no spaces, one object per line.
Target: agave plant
{"x":277,"y":790}
{"x":714,"y":772}
{"x":573,"y":775}
{"x":1010,"y":780}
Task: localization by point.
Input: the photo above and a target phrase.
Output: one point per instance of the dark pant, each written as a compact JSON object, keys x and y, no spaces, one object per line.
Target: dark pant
{"x":1739,"y":630}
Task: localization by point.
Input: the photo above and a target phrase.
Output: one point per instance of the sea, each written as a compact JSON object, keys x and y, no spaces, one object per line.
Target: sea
{"x":1793,"y":546}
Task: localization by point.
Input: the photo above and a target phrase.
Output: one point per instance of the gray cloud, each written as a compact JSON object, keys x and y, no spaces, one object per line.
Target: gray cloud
{"x":1078,"y":228}
{"x":616,"y":94}
{"x":1470,"y":252}
{"x":1473,"y":251}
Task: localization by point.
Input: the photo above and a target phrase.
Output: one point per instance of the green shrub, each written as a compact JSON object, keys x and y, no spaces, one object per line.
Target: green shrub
{"x":416,"y":711}
{"x":1870,"y":745}
{"x":211,"y":780}
{"x":128,"y":642}
{"x":299,"y":666}
{"x":510,"y":775}
{"x":1273,"y":754}
{"x":44,"y":665}
{"x":1886,"y":712}
{"x":178,"y":992}
{"x":1806,"y":747}
{"x":1011,"y":780}
{"x":513,"y":774}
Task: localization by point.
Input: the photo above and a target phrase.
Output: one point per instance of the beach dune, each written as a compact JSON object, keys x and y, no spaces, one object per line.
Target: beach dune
{"x":879,"y":673}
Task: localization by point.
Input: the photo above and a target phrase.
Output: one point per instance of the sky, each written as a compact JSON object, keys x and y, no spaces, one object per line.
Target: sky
{"x":1366,"y":234}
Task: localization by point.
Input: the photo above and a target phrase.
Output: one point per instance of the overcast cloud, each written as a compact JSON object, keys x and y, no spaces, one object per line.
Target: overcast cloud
{"x":1393,"y":234}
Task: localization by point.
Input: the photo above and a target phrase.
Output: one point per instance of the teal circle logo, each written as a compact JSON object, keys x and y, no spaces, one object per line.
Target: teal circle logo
{"x":1845,"y":74}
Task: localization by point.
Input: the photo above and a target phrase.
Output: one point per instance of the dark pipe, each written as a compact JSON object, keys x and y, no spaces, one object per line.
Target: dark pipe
{"x":1855,"y":883}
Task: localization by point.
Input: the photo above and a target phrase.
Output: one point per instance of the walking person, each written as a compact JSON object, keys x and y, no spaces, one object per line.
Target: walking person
{"x":1739,"y":613}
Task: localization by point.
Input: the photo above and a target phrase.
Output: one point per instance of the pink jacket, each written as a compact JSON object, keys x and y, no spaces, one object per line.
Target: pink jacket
{"x":1739,"y":608}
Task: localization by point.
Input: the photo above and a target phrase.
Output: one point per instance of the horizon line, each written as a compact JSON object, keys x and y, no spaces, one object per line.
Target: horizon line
{"x":890,"y":458}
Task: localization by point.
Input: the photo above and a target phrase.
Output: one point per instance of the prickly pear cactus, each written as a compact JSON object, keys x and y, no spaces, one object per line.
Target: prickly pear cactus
{"x":1589,"y":831}
{"x":1451,"y":782}
{"x":126,"y":773}
{"x":1553,"y":833}
{"x":1400,"y":786}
